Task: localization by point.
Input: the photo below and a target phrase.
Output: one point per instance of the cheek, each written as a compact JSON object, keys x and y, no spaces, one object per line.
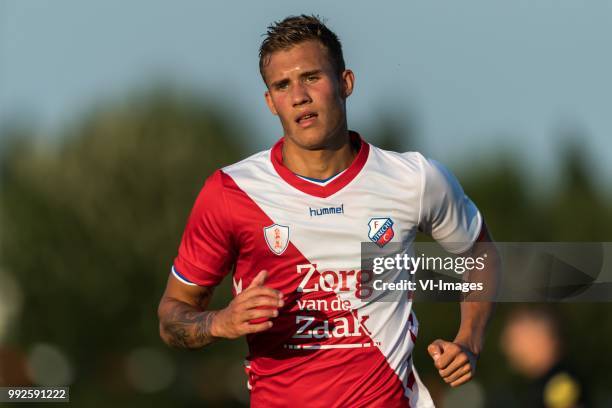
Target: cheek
{"x":280,"y":104}
{"x":328,"y":94}
{"x":333,"y":99}
{"x":285,"y":112}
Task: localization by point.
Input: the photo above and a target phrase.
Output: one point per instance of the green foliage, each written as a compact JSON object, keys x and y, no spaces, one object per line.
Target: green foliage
{"x":91,"y":225}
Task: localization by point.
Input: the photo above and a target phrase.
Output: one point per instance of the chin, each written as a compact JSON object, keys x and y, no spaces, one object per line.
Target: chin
{"x":311,"y":139}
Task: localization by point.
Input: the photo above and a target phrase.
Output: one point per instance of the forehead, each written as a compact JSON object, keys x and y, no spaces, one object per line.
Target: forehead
{"x":305,"y":56}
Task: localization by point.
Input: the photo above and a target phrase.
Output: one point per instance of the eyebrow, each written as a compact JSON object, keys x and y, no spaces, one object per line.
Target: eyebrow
{"x":309,"y":73}
{"x":302,"y":75}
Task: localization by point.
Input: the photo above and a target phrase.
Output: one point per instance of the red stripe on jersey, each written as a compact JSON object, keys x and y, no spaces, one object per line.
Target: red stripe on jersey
{"x":332,"y":362}
{"x":318,"y":190}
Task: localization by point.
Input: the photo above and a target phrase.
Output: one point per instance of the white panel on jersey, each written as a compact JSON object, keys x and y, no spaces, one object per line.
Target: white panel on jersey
{"x":448,"y":215}
{"x":388,"y":186}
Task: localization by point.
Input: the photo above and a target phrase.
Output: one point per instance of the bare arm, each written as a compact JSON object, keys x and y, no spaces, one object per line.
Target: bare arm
{"x":477,"y":308}
{"x":456,"y":360}
{"x":185,"y":322}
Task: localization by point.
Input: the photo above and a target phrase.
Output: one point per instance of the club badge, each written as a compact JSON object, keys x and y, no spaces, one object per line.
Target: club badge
{"x":277,"y":238}
{"x":381,"y":231}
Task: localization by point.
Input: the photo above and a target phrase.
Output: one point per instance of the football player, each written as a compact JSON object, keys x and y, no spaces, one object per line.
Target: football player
{"x":288,"y":224}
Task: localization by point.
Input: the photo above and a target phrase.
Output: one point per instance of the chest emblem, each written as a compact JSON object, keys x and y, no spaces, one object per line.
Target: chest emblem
{"x":381,"y":231}
{"x":277,"y":238}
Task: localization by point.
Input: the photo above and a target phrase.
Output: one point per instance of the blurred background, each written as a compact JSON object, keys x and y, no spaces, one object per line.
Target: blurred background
{"x":112,"y":114}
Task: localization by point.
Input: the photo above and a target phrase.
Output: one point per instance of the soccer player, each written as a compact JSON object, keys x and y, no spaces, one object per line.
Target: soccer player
{"x":288,"y":223}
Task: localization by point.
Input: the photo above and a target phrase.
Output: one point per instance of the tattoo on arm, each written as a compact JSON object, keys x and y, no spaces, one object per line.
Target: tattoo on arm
{"x":187,"y":326}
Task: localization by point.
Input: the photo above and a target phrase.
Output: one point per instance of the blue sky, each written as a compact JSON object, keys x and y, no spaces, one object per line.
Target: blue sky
{"x":475,"y":76}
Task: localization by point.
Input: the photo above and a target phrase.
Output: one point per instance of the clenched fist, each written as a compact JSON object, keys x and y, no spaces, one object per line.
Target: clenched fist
{"x":255,"y":302}
{"x":455,"y":363}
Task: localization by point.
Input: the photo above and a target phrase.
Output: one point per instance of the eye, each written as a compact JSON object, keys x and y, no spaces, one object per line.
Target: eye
{"x":282,"y":86}
{"x":311,"y":78}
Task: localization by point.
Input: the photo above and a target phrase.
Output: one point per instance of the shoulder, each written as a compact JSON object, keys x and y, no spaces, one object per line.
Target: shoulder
{"x":410,"y":164}
{"x":223,"y":177}
{"x":257,"y":162}
{"x":562,"y":387}
{"x":389,"y":158}
{"x":404,"y":167}
{"x":412,"y":168}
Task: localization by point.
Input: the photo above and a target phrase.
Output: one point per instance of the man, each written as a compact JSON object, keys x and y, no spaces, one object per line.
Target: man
{"x":289,"y":222}
{"x":533,"y":342}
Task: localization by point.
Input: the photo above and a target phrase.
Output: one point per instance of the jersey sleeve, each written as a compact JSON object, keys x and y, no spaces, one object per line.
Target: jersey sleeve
{"x":447,"y":213}
{"x":206,"y":253}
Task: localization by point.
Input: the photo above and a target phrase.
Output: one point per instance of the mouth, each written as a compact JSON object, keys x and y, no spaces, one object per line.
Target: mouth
{"x":306,"y":119}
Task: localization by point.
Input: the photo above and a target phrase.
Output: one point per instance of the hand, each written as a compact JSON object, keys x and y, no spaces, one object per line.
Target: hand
{"x":455,"y":363}
{"x":255,"y":302}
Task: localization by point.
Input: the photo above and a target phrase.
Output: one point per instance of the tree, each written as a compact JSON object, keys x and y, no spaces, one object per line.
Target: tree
{"x":91,"y":224}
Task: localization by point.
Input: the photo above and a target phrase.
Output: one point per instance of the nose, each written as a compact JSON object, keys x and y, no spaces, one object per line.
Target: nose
{"x":300,"y":95}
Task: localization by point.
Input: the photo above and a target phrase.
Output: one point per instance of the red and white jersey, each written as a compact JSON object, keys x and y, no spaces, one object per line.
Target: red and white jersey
{"x":327,"y":347}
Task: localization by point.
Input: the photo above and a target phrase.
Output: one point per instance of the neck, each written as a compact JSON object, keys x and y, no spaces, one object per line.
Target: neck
{"x":319,"y":163}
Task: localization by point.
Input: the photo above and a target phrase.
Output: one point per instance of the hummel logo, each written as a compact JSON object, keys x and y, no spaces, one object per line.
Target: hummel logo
{"x":315,"y":212}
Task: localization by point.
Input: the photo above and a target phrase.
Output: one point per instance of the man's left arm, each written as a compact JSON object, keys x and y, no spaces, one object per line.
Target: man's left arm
{"x":456,"y":360}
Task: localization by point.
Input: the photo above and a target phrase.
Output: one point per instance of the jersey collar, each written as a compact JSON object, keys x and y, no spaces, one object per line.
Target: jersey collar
{"x":317,"y":190}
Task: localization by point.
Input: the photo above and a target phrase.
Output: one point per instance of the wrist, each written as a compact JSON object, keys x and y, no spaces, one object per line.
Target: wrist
{"x":215,"y":324}
{"x":470,"y":343}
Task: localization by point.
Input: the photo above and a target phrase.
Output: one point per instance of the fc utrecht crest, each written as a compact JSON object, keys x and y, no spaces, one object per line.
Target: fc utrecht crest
{"x":277,"y":238}
{"x":381,"y":231}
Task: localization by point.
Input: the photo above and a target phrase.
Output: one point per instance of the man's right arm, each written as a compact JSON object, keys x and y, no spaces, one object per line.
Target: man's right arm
{"x":185,"y":322}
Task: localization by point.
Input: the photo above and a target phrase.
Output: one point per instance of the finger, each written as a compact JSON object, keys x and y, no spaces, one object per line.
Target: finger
{"x":458,"y":362}
{"x":435,"y":349}
{"x":256,"y":328}
{"x":253,"y":314}
{"x":259,"y":279}
{"x":458,"y":373}
{"x":462,"y":380}
{"x":261,"y":301}
{"x":259,"y":291}
{"x":451,"y":351}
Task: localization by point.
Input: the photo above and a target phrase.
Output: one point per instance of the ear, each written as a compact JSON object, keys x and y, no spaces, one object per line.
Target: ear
{"x":270,"y":103}
{"x":347,"y":82}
